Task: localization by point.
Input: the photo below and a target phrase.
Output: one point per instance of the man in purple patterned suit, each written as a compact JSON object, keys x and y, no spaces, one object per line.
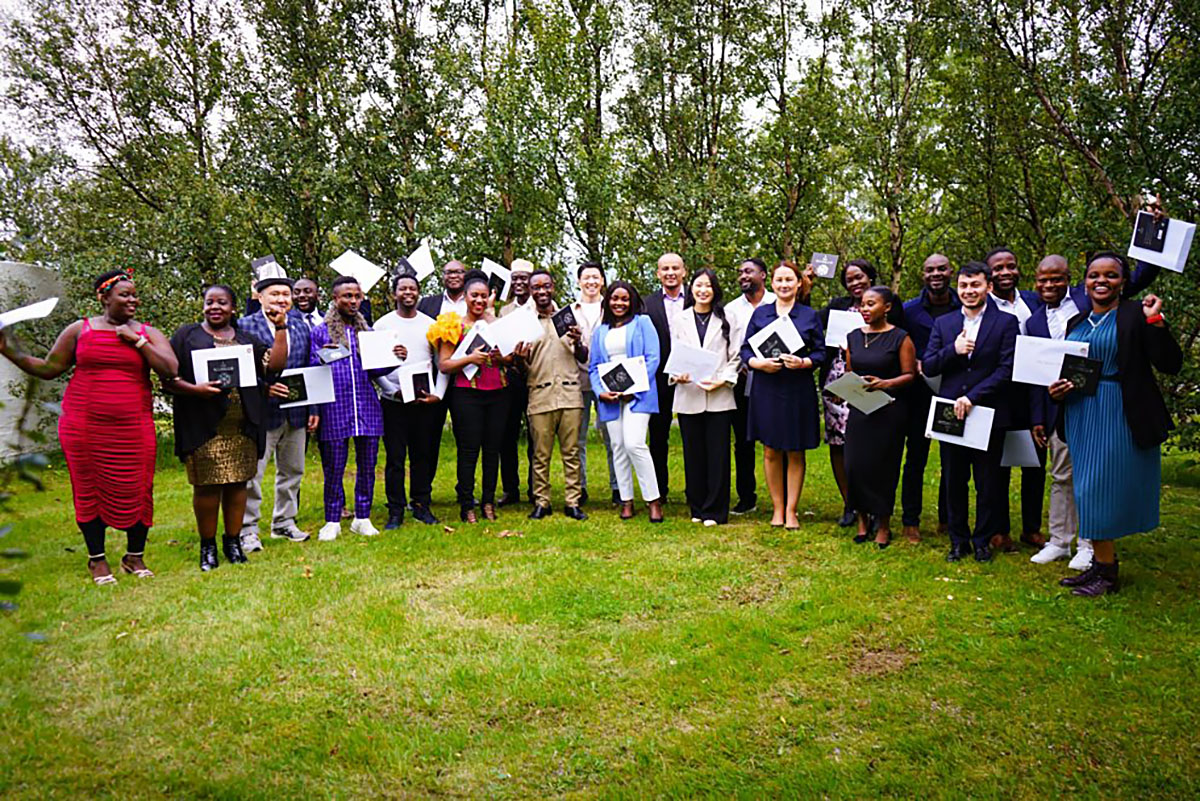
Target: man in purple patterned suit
{"x":354,"y":415}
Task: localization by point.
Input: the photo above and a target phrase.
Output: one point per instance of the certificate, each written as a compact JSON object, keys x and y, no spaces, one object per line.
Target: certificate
{"x":479,"y":337}
{"x":825,"y":264}
{"x":625,"y":376}
{"x":976,"y":428}
{"x":34,"y":311}
{"x":421,"y":260}
{"x":1162,"y":242}
{"x":696,"y":363}
{"x":307,"y":386}
{"x":267,"y":267}
{"x":853,"y":389}
{"x":499,"y":278}
{"x":1038,"y":360}
{"x":1019,"y":450}
{"x":840,"y":324}
{"x":355,"y":266}
{"x":776,"y":339}
{"x":376,"y":346}
{"x":416,"y":380}
{"x":230,"y":367}
{"x":511,"y":330}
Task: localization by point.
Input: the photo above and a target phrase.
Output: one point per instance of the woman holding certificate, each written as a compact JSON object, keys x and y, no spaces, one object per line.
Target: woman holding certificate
{"x":885,"y":358}
{"x":219,"y":415}
{"x":625,"y":333}
{"x":478,"y":404}
{"x":783,"y":400}
{"x":1115,"y":419}
{"x":106,"y":429}
{"x":705,"y":402}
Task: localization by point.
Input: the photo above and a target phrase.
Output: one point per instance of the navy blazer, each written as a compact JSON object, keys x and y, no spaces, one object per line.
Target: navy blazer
{"x":807,"y":322}
{"x":986,"y":376}
{"x":918,"y":322}
{"x":257,"y":326}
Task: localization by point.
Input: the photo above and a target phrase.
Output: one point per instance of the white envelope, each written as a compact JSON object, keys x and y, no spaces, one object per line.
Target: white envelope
{"x":243,"y":354}
{"x":318,"y":385}
{"x":1019,"y":450}
{"x":1175,"y":246}
{"x":1038,"y":360}
{"x":635,"y":366}
{"x":421,"y":260}
{"x":352,"y":264}
{"x":510,"y":330}
{"x":851,"y":388}
{"x":698,"y":364}
{"x":977,"y":432}
{"x":785,"y":328}
{"x":477,"y":331}
{"x":375,"y":347}
{"x":34,"y":311}
{"x":840,"y":324}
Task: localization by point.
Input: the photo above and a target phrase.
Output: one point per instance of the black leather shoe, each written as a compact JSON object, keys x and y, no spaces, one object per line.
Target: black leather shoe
{"x":394,"y":522}
{"x":232,"y":546}
{"x":540,"y":512}
{"x":508,"y":499}
{"x":574,"y":512}
{"x":847,"y":519}
{"x":423,"y":514}
{"x":983,"y":554}
{"x":745,"y":507}
{"x":583,"y":498}
{"x":208,"y":555}
{"x":958,"y":552}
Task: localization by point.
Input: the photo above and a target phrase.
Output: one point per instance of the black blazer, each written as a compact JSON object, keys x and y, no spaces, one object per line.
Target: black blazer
{"x":656,"y":310}
{"x":430,"y":305}
{"x":985,"y":377}
{"x":1141,"y":348}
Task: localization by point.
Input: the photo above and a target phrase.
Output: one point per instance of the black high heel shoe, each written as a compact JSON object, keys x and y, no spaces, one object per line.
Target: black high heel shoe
{"x":208,"y":555}
{"x":232,"y":546}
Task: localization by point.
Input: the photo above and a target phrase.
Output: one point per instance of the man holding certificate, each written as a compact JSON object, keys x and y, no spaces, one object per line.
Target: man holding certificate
{"x":710,"y":340}
{"x":972,"y":352}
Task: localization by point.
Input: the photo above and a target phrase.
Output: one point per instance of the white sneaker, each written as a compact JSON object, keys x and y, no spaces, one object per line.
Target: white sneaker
{"x":362,"y":525}
{"x":1049,"y":553}
{"x":290,"y":533}
{"x":710,"y":522}
{"x":329,"y":532}
{"x":250,"y":540}
{"x":695,"y":520}
{"x":1082,"y":559}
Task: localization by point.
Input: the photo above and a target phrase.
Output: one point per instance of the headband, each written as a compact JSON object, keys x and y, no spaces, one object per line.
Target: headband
{"x":111,"y":282}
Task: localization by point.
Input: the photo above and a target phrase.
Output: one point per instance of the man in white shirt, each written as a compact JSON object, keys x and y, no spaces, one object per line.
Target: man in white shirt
{"x":305,"y":295}
{"x":587,"y":314}
{"x":664,"y":306}
{"x":1006,"y":277}
{"x":752,"y":279}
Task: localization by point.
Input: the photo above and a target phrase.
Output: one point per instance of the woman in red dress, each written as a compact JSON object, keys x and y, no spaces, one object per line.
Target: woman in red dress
{"x":106,"y":429}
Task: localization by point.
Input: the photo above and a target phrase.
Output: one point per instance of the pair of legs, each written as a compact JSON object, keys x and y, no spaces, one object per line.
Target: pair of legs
{"x":632,"y":455}
{"x":959,"y":464}
{"x":585,"y":422}
{"x":544,"y":428}
{"x":706,"y":463}
{"x":287,"y":444}
{"x":210,"y":500}
{"x":478,"y":416}
{"x":785,"y":492}
{"x":912,"y":480}
{"x":411,"y":433}
{"x":334,"y":455}
{"x":135,"y":546}
{"x":743,"y":450}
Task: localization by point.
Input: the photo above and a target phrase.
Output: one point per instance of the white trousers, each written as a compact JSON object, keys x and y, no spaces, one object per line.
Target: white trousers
{"x":287,"y":443}
{"x":1064,"y":520}
{"x":631,"y":453}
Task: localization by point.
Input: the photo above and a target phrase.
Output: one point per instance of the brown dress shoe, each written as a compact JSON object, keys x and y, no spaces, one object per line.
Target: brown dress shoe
{"x":1033,"y":538}
{"x":913,"y":534}
{"x":1003,"y":543}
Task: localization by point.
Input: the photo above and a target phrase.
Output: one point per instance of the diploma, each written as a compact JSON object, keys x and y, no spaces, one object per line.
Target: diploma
{"x":415,"y":379}
{"x":376,"y":347}
{"x":624,"y":376}
{"x":499,"y":279}
{"x":366,"y":273}
{"x":421,"y":261}
{"x":1162,"y":242}
{"x":853,"y":389}
{"x":1038,"y":360}
{"x":840,"y":324}
{"x":976,"y":427}
{"x":475,"y":339}
{"x":696,"y":363}
{"x":307,"y":386}
{"x":776,"y":339}
{"x":511,"y":330}
{"x":231,"y":366}
{"x":34,"y":311}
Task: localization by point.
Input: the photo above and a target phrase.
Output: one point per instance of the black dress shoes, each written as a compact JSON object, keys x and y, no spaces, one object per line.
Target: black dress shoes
{"x":983,"y":554}
{"x":208,"y":555}
{"x":574,"y":512}
{"x":958,"y":552}
{"x":540,"y":512}
{"x":232,"y":546}
{"x":394,"y":522}
{"x":423,"y":514}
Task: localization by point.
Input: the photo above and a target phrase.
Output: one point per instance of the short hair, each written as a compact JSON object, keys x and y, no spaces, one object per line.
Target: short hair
{"x":635,"y":301}
{"x":227,"y":289}
{"x":998,"y":250}
{"x":864,"y":265}
{"x":1109,"y":254}
{"x":974,"y":268}
{"x":590,"y":265}
{"x":757,"y":262}
{"x":886,"y":293}
{"x":342,"y":280}
{"x":400,"y":276}
{"x":474,"y":277}
{"x":541,"y":271}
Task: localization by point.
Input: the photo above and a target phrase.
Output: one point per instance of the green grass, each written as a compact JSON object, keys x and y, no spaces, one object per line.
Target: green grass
{"x":595,"y":659}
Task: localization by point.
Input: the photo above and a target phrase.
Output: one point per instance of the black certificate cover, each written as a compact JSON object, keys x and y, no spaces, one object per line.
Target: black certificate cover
{"x":420,"y":385}
{"x":1149,"y":233}
{"x":478,"y":343}
{"x":297,"y":389}
{"x":773,"y":347}
{"x":563,"y":319}
{"x":1083,"y":372}
{"x":225,"y":372}
{"x":944,"y":419}
{"x":617,"y":379}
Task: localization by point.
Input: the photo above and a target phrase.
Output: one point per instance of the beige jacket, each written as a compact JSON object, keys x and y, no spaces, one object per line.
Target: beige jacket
{"x":553,"y":373}
{"x":690,"y":398}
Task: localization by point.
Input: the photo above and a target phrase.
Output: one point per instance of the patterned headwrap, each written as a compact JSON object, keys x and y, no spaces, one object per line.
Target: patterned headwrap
{"x":116,"y":279}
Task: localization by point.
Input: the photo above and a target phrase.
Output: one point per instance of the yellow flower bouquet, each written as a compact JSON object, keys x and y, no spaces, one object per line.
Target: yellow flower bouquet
{"x":447,"y":328}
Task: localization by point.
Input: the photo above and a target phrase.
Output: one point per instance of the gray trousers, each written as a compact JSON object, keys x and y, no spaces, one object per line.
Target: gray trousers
{"x":589,"y":400}
{"x":287,"y":444}
{"x":1064,"y":522}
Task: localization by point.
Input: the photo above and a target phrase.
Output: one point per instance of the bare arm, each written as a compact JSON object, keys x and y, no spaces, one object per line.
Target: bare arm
{"x":60,"y":358}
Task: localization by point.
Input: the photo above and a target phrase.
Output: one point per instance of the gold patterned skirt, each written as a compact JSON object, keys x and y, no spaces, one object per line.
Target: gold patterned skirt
{"x":228,"y":458}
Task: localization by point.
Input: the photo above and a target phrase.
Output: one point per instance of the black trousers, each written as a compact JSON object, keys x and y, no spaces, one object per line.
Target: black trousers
{"x":1033,"y":495}
{"x":706,"y":463}
{"x":660,"y":433}
{"x":958,"y":464}
{"x":478,"y":417}
{"x":744,"y":450}
{"x":916,"y":449}
{"x":407,"y":434}
{"x":510,"y":464}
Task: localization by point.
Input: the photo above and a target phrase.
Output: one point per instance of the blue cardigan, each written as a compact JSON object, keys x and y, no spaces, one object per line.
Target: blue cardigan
{"x":640,"y":340}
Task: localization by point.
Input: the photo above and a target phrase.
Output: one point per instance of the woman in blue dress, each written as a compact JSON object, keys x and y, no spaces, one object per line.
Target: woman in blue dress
{"x":783,"y":412}
{"x":1115,"y":435}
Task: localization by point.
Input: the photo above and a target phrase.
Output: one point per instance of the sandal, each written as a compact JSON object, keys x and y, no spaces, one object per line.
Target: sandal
{"x":626,"y":510}
{"x":107,"y":578}
{"x":142,"y":572}
{"x":467,"y":515}
{"x":489,"y":511}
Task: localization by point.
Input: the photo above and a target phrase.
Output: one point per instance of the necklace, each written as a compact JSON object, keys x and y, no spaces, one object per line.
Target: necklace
{"x":1097,"y":323}
{"x":867,"y":338}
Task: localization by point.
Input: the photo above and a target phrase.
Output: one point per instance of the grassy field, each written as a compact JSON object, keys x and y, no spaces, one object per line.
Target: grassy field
{"x":595,"y":659}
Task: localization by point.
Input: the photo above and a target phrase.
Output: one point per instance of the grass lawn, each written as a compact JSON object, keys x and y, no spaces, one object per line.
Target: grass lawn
{"x":595,"y":659}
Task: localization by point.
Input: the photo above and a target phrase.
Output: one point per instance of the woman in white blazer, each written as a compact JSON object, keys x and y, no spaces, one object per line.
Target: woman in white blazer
{"x":706,"y":403}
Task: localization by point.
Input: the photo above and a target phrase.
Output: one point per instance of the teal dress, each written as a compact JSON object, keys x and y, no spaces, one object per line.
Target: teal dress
{"x":1117,"y":484}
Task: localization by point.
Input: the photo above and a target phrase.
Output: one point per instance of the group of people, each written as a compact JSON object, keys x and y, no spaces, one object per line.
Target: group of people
{"x":956,"y":340}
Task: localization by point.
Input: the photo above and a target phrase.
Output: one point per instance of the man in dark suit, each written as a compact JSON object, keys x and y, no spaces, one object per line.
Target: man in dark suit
{"x":972,"y":351}
{"x":663,"y":306}
{"x":451,"y":298}
{"x":937,"y":297}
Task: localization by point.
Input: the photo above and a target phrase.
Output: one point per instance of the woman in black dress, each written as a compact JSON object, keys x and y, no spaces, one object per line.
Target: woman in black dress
{"x":884,"y":355}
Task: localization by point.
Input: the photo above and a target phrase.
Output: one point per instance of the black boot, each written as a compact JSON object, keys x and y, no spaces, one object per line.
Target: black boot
{"x":208,"y":555}
{"x":1079,"y":579}
{"x":1105,"y":580}
{"x":232,"y":546}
